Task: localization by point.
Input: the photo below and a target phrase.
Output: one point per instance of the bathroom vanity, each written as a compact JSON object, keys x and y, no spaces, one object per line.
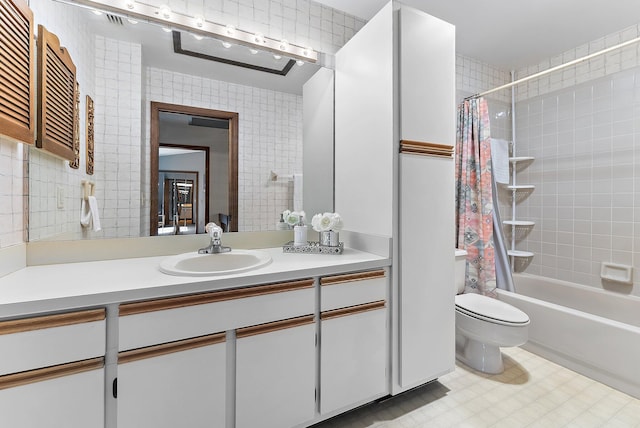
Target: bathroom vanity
{"x":120,"y":344}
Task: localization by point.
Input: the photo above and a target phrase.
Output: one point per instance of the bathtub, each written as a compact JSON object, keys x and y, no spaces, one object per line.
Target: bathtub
{"x":588,"y":330}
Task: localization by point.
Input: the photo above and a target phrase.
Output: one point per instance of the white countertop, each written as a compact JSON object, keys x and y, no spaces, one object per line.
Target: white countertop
{"x":39,"y":289}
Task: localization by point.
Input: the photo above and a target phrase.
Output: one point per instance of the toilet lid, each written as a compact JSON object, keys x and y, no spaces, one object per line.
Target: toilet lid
{"x":492,"y":310}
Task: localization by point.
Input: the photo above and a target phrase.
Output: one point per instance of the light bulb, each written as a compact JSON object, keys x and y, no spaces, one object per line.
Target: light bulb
{"x":253,"y":51}
{"x":96,"y":12}
{"x":227,"y":45}
{"x":284,"y":45}
{"x":166,"y":29}
{"x":307,"y":51}
{"x":197,"y":36}
{"x":300,"y":62}
{"x":277,"y":57}
{"x":132,"y":21}
{"x":165,"y":12}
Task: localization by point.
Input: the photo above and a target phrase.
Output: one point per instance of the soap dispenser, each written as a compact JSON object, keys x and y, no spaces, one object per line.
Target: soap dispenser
{"x":300,"y":234}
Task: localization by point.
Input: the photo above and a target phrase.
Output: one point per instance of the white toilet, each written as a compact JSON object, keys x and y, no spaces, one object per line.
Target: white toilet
{"x":484,"y":324}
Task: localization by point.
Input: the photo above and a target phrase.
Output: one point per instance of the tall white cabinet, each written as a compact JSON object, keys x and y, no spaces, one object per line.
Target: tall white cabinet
{"x":395,"y":80}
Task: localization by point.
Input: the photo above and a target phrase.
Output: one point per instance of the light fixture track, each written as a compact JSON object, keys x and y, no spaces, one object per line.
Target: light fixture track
{"x":199,"y":26}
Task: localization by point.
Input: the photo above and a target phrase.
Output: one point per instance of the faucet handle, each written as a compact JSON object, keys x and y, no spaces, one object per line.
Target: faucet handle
{"x":214,"y":231}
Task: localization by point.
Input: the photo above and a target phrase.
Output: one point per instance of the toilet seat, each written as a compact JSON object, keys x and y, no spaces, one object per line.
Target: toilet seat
{"x":490,"y":310}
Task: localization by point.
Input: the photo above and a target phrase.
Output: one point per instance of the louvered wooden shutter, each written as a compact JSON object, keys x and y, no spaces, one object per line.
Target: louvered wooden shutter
{"x":17,"y":71}
{"x":56,"y":96}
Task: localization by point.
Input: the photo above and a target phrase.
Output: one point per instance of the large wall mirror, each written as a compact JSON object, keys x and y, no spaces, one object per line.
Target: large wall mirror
{"x":131,"y":69}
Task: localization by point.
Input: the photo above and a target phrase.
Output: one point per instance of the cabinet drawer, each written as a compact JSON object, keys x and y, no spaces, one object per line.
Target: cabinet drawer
{"x":352,"y":289}
{"x":165,"y":320}
{"x":69,"y":396}
{"x":32,"y":343}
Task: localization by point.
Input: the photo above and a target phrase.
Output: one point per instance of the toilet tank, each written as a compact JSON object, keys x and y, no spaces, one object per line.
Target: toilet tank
{"x":460,"y":270}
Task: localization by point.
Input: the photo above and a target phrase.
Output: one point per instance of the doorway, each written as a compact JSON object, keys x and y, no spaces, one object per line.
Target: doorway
{"x":221,"y":166}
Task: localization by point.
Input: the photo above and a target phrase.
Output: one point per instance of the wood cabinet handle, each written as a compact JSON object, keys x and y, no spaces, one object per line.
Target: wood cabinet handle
{"x":274,"y":326}
{"x":352,"y":310}
{"x":212,"y":297}
{"x":350,"y":277}
{"x":47,"y":373}
{"x":169,"y":348}
{"x":426,"y":149}
{"x":50,"y":321}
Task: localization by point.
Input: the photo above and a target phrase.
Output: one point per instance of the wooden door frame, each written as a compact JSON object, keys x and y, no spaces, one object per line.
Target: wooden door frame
{"x":232,"y":117}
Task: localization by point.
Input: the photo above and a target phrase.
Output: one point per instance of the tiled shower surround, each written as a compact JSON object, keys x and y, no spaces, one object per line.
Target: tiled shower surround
{"x":587,"y":174}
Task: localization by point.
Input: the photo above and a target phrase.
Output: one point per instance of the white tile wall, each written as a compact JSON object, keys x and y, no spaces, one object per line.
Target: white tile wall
{"x":617,"y":60}
{"x":12,"y":193}
{"x":54,"y":188}
{"x":118,"y":153}
{"x":270,"y":137}
{"x":582,"y":126}
{"x":474,"y":76}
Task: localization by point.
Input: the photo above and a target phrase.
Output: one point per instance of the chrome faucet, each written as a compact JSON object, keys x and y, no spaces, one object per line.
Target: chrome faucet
{"x":215,"y":247}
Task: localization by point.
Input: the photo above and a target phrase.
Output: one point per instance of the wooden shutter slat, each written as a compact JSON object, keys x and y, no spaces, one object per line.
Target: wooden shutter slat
{"x":13,"y":16}
{"x":56,"y":97}
{"x":17,"y":71}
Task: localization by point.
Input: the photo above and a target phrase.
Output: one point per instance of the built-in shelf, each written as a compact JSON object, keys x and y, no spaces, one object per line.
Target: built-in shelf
{"x":518,"y":253}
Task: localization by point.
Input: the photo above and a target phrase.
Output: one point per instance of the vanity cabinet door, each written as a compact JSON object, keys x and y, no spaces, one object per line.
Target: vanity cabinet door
{"x":353,"y":356}
{"x":65,"y":396}
{"x":178,"y":384}
{"x":276,"y":374}
{"x":52,"y":370}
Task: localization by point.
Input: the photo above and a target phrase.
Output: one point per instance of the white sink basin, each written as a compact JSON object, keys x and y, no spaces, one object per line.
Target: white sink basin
{"x":194,"y":264}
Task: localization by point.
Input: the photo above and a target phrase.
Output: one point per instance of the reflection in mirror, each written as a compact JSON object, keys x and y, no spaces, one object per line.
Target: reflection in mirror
{"x":126,"y":67}
{"x":178,"y":201}
{"x":200,"y":140}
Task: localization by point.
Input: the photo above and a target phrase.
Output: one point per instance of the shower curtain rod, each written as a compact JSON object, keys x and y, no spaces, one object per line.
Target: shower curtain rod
{"x":556,"y":68}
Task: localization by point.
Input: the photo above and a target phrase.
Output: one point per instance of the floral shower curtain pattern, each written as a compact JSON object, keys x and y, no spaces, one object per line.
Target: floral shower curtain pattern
{"x":474,"y":204}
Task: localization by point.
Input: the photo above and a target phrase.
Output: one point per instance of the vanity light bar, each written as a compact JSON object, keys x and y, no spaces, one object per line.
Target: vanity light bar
{"x":199,"y":26}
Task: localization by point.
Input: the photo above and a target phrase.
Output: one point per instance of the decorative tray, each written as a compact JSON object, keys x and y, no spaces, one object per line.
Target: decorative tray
{"x":312,"y":248}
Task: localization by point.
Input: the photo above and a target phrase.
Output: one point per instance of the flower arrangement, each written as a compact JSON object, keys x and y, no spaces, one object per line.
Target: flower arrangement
{"x":326,"y":222}
{"x":293,"y":218}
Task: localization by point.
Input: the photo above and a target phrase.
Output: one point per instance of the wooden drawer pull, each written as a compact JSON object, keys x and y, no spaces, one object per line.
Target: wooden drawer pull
{"x":350,"y":277}
{"x":426,"y":149}
{"x":50,"y":321}
{"x":39,"y":375}
{"x":273,"y":326}
{"x":212,"y":297}
{"x":352,"y":310}
{"x":169,"y":348}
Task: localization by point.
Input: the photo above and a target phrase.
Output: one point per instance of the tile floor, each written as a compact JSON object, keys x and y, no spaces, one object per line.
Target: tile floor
{"x":532,"y":392}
